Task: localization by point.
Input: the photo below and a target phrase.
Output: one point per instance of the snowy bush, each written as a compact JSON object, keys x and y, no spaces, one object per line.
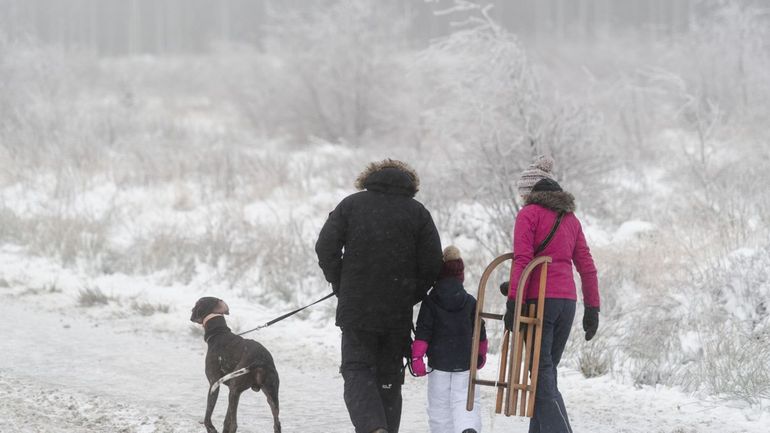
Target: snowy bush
{"x":340,"y":71}
{"x":594,"y":359}
{"x":733,"y":342}
{"x":90,"y":297}
{"x":148,"y":308}
{"x":489,"y":113}
{"x":735,"y":367}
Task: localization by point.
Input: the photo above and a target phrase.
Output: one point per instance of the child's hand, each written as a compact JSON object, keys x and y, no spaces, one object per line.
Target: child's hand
{"x":419,"y":349}
{"x":483,"y":347}
{"x":418,"y":367}
{"x":482,"y":361}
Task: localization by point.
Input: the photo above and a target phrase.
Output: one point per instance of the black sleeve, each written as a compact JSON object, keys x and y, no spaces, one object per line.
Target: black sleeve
{"x":429,"y":257}
{"x":329,"y":246}
{"x":483,"y":332}
{"x":424,"y":329}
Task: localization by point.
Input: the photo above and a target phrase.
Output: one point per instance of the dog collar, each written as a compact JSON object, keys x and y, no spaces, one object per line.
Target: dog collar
{"x":209,"y":317}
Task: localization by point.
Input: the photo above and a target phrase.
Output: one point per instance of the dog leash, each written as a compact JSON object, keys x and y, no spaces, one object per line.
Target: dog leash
{"x":278,"y":319}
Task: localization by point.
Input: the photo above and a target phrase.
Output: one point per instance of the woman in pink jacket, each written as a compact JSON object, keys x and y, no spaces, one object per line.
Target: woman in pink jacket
{"x":545,"y":203}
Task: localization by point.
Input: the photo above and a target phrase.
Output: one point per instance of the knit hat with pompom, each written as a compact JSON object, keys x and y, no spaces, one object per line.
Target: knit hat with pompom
{"x":453,"y":266}
{"x":540,"y":169}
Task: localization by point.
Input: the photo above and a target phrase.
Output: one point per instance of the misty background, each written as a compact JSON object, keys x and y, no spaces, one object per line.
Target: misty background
{"x":129,"y":27}
{"x":201,"y":144}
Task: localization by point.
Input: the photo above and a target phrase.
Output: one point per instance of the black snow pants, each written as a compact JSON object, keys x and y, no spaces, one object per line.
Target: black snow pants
{"x":550,"y":414}
{"x":372,"y":368}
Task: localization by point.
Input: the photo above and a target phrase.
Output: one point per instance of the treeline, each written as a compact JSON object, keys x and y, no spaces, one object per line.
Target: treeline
{"x":120,"y":27}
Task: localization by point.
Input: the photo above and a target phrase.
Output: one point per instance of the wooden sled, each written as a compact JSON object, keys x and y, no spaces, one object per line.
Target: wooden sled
{"x":516,"y":378}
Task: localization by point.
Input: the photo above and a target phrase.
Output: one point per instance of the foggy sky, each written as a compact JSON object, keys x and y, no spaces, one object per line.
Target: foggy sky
{"x":118,"y":27}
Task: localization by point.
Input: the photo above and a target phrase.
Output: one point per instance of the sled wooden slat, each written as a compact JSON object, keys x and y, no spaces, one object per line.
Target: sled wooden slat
{"x":472,"y":381}
{"x":491,"y":383}
{"x":520,"y":352}
{"x":529,"y":334}
{"x":530,"y":320}
{"x":538,"y":339}
{"x":501,"y":375}
{"x":514,"y":368}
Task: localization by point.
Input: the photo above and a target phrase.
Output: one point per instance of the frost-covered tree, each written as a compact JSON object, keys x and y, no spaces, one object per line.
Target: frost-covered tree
{"x":340,"y":68}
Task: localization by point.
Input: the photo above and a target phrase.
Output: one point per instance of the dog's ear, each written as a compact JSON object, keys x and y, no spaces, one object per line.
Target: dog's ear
{"x":223,"y":308}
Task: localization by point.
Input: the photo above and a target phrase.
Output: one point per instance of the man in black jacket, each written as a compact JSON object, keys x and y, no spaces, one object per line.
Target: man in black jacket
{"x":381,"y":252}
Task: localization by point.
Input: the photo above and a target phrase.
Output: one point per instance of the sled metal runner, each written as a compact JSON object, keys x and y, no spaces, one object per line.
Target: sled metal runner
{"x":517,"y":374}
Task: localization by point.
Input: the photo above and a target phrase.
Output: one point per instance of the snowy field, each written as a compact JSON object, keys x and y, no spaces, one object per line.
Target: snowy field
{"x":70,"y":369}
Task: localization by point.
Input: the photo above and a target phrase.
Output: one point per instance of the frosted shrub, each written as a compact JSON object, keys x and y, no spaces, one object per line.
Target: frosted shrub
{"x":594,"y":359}
{"x":340,"y":69}
{"x":68,"y":238}
{"x":486,"y":104}
{"x":286,"y":264}
{"x":148,"y":309}
{"x":651,"y":346}
{"x":92,"y":296}
{"x":734,"y":328}
{"x":735,"y":365}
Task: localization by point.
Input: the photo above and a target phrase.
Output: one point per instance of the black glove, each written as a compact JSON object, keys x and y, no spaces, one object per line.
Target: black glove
{"x":510,"y":307}
{"x":590,"y":321}
{"x":336,"y":289}
{"x":508,"y":319}
{"x":504,"y":288}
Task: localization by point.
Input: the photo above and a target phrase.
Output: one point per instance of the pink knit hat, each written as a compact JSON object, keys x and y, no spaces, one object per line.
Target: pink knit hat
{"x":539,"y":169}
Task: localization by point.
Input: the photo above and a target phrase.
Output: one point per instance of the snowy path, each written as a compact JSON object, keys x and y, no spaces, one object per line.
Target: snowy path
{"x":80,"y":374}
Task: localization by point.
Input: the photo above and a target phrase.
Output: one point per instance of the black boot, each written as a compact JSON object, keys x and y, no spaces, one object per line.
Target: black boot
{"x":469,"y":430}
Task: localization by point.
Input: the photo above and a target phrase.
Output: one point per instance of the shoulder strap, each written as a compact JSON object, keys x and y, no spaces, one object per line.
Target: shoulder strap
{"x":548,"y":238}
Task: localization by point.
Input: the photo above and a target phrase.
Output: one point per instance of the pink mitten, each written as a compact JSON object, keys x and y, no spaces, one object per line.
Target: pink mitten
{"x":483,"y":347}
{"x":419,"y":348}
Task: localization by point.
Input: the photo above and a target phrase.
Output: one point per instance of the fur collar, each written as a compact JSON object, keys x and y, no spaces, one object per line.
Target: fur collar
{"x":560,"y":201}
{"x":389,"y":176}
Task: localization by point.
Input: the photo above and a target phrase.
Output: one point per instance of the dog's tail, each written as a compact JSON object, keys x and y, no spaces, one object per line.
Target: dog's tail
{"x":233,"y":375}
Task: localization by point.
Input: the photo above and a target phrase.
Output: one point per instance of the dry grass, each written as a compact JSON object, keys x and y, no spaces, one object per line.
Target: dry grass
{"x":93,"y":296}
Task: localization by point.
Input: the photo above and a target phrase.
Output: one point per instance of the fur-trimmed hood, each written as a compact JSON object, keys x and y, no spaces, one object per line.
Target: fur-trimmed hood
{"x":389,"y":176}
{"x":560,"y":201}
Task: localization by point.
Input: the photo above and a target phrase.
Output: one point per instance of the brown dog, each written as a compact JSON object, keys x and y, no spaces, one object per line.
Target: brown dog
{"x":235,"y":361}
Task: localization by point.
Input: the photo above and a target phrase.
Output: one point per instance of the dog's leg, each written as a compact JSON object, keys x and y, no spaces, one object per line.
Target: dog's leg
{"x":231,"y":421}
{"x":210,"y":403}
{"x":270,"y":388}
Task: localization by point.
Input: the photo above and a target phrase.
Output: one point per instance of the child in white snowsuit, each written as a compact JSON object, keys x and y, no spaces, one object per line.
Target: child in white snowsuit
{"x":445,"y":333}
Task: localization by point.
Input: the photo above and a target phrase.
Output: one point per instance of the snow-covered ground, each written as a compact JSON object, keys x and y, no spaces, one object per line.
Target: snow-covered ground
{"x":67,"y":368}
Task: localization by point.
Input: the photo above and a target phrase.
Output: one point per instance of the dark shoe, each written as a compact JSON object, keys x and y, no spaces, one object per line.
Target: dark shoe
{"x":469,"y":430}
